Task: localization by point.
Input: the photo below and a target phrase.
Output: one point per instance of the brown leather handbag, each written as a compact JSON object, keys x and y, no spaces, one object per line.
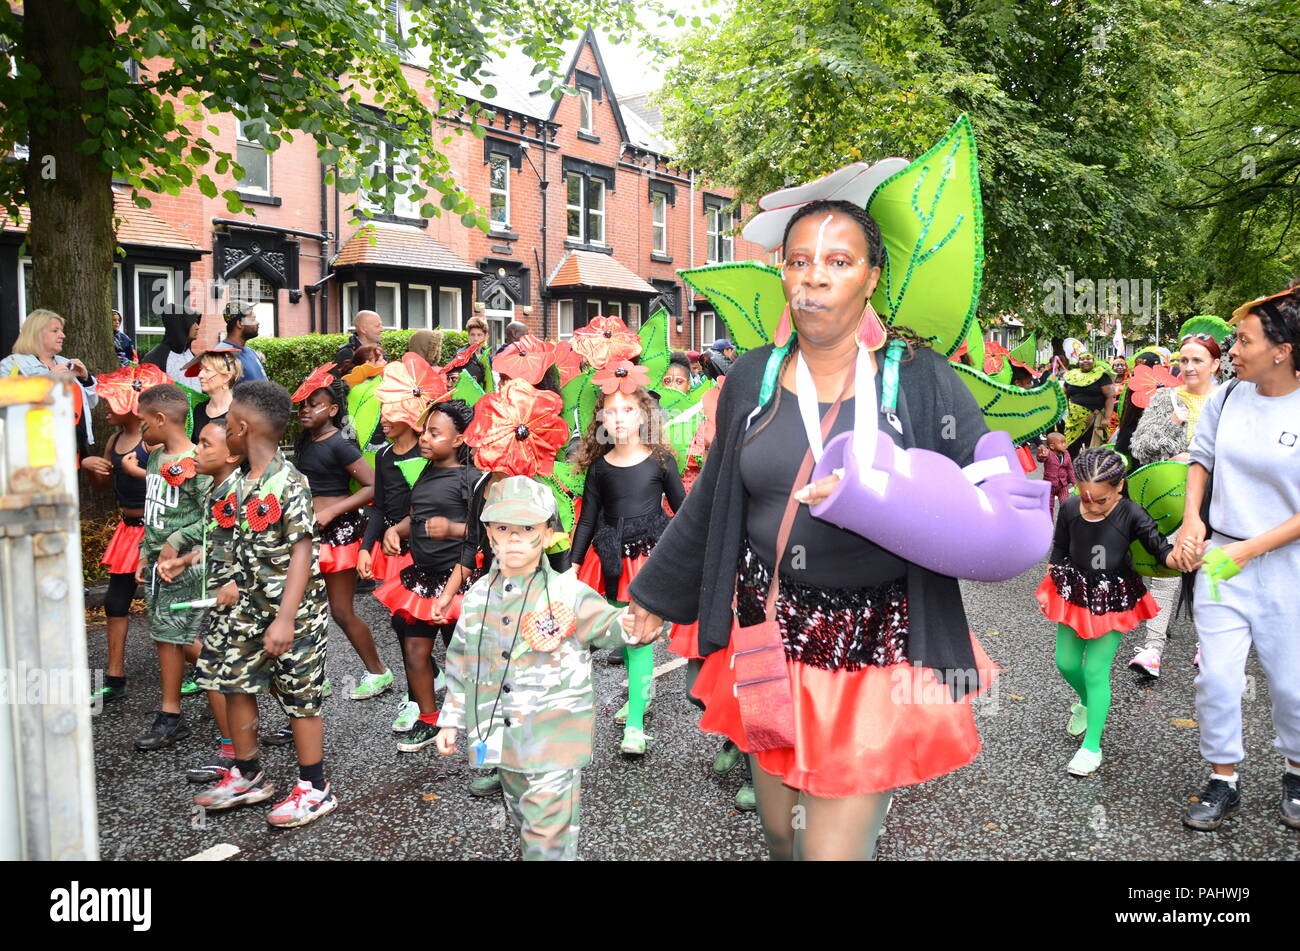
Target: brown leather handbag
{"x":762,"y":680}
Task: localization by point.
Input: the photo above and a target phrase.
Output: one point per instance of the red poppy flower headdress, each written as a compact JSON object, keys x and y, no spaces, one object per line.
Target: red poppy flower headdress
{"x":319,"y":379}
{"x":517,"y":430}
{"x":462,"y":359}
{"x":1146,"y":380}
{"x":525,"y":359}
{"x":122,"y":388}
{"x":408,"y":388}
{"x":568,"y":361}
{"x":606,"y":339}
{"x":624,"y":376}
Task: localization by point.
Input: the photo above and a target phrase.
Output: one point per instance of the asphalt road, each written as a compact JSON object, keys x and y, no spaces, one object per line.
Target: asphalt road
{"x":1014,"y":802}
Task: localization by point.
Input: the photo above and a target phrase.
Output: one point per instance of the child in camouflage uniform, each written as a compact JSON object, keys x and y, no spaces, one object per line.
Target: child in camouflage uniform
{"x":276,"y":631}
{"x":174,"y":494}
{"x":211,"y":538}
{"x":519,"y":677}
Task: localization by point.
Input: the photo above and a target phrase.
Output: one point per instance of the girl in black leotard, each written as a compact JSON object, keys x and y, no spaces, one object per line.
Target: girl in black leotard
{"x":629,"y":473}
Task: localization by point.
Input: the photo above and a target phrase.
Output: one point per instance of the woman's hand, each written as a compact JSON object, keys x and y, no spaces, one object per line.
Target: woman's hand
{"x":645,"y":626}
{"x":1189,"y":546}
{"x":446,"y":740}
{"x":818,"y":491}
{"x":1241,"y":552}
{"x":438,"y":527}
{"x":324,"y":515}
{"x":363,"y":564}
{"x":78,"y":369}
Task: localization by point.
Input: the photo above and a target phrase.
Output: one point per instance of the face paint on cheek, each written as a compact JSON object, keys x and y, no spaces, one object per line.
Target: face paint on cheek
{"x":535,"y":542}
{"x":821,"y":235}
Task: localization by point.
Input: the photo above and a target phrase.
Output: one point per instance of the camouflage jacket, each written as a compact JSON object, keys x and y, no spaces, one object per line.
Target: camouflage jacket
{"x":533,"y":709}
{"x":261,"y":554}
{"x":220,"y":541}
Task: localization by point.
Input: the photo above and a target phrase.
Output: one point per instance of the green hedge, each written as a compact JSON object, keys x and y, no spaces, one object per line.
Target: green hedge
{"x":290,"y":359}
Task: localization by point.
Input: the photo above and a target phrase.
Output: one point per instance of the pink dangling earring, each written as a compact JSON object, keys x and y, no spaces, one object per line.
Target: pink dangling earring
{"x":783,"y":329}
{"x":871,"y":332}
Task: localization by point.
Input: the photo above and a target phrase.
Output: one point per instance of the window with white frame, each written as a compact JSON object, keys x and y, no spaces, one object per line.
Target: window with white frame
{"x":584,"y":109}
{"x":718,"y":244}
{"x":564,"y":312}
{"x":388,"y":304}
{"x":593,"y":309}
{"x":614,"y":308}
{"x":351,"y":304}
{"x":633,"y":316}
{"x":499,"y":192}
{"x":24,"y":288}
{"x":155,"y":291}
{"x":419,"y":301}
{"x":449,"y":312}
{"x":595,"y":211}
{"x":659,"y":222}
{"x":398,"y":168}
{"x":574,"y":183}
{"x":708,"y":327}
{"x":252,"y":157}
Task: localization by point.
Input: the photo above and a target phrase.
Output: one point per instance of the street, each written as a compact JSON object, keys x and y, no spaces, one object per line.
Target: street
{"x":1014,"y":802}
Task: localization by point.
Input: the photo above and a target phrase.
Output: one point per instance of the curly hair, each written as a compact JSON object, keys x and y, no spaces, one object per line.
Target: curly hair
{"x":596,"y":442}
{"x":267,"y":400}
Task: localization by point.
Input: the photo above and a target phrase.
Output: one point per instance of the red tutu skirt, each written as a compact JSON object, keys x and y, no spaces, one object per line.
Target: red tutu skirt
{"x":384,"y":567}
{"x":411,"y":593}
{"x":340,"y":542}
{"x":122,"y":556}
{"x":856,"y":731}
{"x":684,"y":640}
{"x":1088,"y":624}
{"x":590,"y":573}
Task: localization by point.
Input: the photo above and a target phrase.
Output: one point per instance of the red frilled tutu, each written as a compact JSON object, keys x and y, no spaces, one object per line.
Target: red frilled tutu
{"x":590,"y":573}
{"x":856,"y":731}
{"x":384,"y":567}
{"x":338,"y":557}
{"x":340,"y":542}
{"x":684,"y":640}
{"x":1081,"y":618}
{"x":412,"y":592}
{"x":122,"y":556}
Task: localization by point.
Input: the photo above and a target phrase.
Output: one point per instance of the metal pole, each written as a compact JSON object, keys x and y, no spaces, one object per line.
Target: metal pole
{"x":1157,"y":316}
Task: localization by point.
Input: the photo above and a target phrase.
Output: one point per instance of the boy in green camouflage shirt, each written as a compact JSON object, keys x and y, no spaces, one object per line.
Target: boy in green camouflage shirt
{"x":174,"y":500}
{"x":518,"y":669}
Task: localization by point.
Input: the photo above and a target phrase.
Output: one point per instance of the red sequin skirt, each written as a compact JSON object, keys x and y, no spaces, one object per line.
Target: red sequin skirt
{"x":412,"y":592}
{"x":591,"y":574}
{"x":340,"y":542}
{"x":1094,"y":603}
{"x":122,"y":556}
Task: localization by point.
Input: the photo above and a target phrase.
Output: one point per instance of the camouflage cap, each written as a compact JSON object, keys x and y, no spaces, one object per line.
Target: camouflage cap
{"x":518,"y":500}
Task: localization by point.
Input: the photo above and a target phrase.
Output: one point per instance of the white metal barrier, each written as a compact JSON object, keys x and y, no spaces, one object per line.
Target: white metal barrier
{"x":47,"y":769}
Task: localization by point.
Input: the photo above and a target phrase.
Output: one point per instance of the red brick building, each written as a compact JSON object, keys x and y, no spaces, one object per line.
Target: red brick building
{"x":590,"y":216}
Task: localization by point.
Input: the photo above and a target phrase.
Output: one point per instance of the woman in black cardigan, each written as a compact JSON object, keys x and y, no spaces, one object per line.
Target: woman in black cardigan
{"x":880,"y":657}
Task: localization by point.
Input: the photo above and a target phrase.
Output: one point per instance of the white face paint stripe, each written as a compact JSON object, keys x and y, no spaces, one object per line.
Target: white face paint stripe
{"x":821,"y":234}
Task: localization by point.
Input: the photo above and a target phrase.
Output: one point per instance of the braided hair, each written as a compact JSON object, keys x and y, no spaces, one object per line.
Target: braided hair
{"x":461,"y":415}
{"x":1099,"y":465}
{"x":338,"y":393}
{"x":1279,"y":318}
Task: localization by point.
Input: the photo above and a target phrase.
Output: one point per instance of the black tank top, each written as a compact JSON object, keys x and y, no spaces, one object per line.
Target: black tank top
{"x":128,"y":489}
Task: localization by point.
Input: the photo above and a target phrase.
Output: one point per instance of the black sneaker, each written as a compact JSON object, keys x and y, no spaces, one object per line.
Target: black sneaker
{"x":1220,"y":801}
{"x":1291,"y":800}
{"x":420,"y":736}
{"x":615,"y":658}
{"x":211,"y":772}
{"x":281,"y":737}
{"x":106,"y":693}
{"x":164,"y":732}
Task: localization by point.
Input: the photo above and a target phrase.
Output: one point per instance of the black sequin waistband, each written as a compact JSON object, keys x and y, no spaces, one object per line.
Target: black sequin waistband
{"x":344,"y":529}
{"x":1101,"y":592}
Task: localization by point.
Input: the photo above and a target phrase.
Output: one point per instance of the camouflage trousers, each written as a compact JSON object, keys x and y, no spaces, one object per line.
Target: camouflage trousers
{"x":238,"y":663}
{"x":214,"y":636}
{"x":166,"y":625}
{"x":545,"y":807}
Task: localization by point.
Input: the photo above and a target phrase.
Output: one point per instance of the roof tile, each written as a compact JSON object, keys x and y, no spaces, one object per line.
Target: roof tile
{"x":401,"y":246}
{"x":592,"y":269}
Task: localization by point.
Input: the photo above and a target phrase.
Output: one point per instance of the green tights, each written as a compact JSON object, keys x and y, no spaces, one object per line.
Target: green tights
{"x":640,"y":665}
{"x":1085,"y":665}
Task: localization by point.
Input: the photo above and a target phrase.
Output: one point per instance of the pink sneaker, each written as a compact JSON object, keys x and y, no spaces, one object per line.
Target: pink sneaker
{"x":1147,"y":660}
{"x":1197,"y":659}
{"x":305,"y":804}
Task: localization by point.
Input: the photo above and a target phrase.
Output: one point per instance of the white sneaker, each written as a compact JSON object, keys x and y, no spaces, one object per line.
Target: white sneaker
{"x":305,"y":804}
{"x":1147,"y":660}
{"x":1084,"y":763}
{"x":407,"y":714}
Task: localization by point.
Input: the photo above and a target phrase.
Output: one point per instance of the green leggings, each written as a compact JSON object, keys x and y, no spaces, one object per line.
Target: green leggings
{"x":640,"y":664}
{"x":1085,"y":665}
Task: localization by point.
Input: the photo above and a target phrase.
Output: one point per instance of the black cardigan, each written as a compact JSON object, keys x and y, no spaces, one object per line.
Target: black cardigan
{"x":691,"y":574}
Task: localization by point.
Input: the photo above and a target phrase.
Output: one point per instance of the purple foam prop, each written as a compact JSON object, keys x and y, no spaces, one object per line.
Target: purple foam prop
{"x":923,"y":507}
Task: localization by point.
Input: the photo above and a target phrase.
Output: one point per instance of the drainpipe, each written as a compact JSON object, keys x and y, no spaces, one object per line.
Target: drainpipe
{"x":325,"y":259}
{"x":690,"y":303}
{"x":541,"y":278}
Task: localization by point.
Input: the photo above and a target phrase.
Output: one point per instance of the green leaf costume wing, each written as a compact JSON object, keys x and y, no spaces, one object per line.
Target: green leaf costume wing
{"x":746,"y":295}
{"x":363,"y":408}
{"x":655,"y":351}
{"x":574,"y":481}
{"x":933,"y":225}
{"x":1160,"y":488}
{"x":975,"y":346}
{"x":563,"y":500}
{"x":579,"y":397}
{"x":1027,"y":350}
{"x":680,"y":432}
{"x":467,"y":389}
{"x":1022,"y":413}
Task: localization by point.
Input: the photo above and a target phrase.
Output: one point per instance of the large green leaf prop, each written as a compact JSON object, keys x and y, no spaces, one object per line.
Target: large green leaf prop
{"x":932,"y":222}
{"x":467,"y":389}
{"x":1027,"y":350}
{"x":655,"y":351}
{"x":746,"y":295}
{"x":681,"y":432}
{"x":563,"y":500}
{"x":1160,"y":488}
{"x":975,"y":345}
{"x":579,"y":396}
{"x":1022,"y":413}
{"x":572,"y":480}
{"x":363,"y":408}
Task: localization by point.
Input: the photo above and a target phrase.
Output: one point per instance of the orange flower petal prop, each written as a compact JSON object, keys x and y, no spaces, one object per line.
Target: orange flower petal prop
{"x":409,"y":386}
{"x":122,"y":388}
{"x":1146,"y":380}
{"x":568,"y":361}
{"x":517,"y":430}
{"x":462,"y":359}
{"x":605,"y":339}
{"x":994,"y":354}
{"x":362,"y":373}
{"x":525,"y":359}
{"x":623,"y":376}
{"x":318,"y":379}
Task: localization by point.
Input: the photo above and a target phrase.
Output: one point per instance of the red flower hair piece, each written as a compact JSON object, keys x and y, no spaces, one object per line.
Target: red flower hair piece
{"x":122,"y":388}
{"x":261,"y":512}
{"x":409,"y":387}
{"x":226,"y":511}
{"x":606,"y":339}
{"x":568,"y":361}
{"x":462,"y":359}
{"x":319,"y":379}
{"x":518,"y":429}
{"x":1146,"y":380}
{"x":179,"y":470}
{"x":525,"y":359}
{"x":624,"y":376}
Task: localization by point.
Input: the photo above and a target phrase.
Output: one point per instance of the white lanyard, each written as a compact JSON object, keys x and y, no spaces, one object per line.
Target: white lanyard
{"x":864,"y":409}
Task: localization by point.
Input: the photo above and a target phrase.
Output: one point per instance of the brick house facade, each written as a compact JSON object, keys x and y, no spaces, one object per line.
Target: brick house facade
{"x":590,"y":216}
